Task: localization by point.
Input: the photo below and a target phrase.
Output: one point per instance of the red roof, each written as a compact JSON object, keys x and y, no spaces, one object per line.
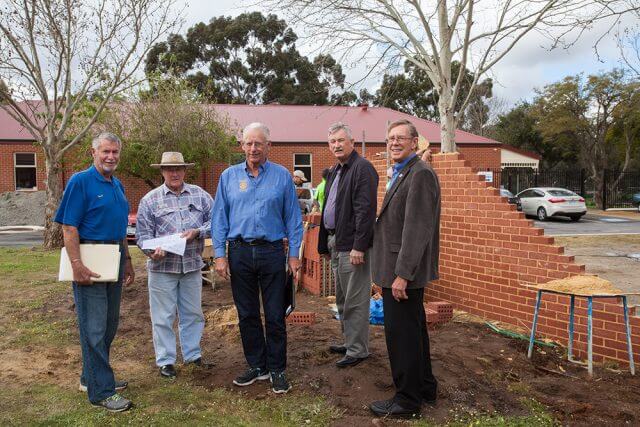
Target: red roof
{"x":309,"y":123}
{"x":301,"y":123}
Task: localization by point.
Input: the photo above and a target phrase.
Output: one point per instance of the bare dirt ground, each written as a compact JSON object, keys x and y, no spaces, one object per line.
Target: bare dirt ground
{"x":615,"y":258}
{"x":479,"y":372}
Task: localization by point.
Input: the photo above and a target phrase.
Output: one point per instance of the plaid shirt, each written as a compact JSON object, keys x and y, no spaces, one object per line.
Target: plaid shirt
{"x":162,"y":212}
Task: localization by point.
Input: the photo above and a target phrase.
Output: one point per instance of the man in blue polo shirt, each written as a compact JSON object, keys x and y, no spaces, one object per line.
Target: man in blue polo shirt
{"x":255,"y":208}
{"x":94,"y":210}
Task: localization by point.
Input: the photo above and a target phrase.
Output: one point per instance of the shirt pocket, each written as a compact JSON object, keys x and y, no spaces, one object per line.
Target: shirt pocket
{"x":196,"y":213}
{"x":167,"y":221}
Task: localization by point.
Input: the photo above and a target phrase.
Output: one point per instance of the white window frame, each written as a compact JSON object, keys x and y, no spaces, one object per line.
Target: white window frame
{"x":310,"y":166}
{"x":16,"y":166}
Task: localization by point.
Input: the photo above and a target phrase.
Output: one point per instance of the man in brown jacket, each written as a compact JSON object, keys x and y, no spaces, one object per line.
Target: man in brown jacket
{"x":404,"y":260}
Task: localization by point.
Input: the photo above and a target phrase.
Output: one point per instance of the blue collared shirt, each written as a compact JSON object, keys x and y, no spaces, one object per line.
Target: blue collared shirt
{"x":96,"y":207}
{"x":163,"y":212}
{"x":398,"y":167}
{"x":249,"y":208}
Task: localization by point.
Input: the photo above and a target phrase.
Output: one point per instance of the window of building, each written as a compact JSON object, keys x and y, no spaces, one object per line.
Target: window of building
{"x":25,"y":171}
{"x":303,"y":162}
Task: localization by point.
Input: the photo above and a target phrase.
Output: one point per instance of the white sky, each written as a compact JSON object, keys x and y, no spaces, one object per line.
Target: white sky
{"x":528,"y":66}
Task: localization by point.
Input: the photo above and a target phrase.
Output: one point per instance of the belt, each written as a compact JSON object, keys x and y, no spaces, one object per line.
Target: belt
{"x":256,"y":242}
{"x":101,"y":242}
{"x":331,"y":232}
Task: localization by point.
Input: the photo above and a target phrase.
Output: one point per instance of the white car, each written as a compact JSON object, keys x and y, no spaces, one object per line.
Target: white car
{"x":544,"y":202}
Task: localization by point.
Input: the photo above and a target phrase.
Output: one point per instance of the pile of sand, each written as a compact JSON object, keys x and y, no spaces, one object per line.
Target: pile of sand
{"x":223,"y":321}
{"x":581,"y":285}
{"x":22,"y":208}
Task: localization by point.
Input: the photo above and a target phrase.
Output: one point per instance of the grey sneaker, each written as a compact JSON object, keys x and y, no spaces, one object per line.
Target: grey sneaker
{"x":115,"y":403}
{"x":279,"y":383}
{"x":252,"y":375}
{"x":120,"y":385}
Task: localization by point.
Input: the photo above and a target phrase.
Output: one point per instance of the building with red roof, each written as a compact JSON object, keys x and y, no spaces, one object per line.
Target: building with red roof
{"x":298,"y":134}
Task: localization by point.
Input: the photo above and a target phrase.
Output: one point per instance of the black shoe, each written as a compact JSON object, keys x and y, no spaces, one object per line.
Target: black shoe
{"x":279,"y":383}
{"x":430,"y":399}
{"x":252,"y":375}
{"x":168,"y":371}
{"x":199,"y":363}
{"x":339,"y":349}
{"x":349,"y":361}
{"x":390,"y":408}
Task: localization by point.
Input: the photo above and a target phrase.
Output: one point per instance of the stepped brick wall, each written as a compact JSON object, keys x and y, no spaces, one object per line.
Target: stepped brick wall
{"x":489,"y":253}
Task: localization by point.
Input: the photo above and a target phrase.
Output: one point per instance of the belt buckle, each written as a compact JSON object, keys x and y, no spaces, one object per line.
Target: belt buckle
{"x":254,"y":243}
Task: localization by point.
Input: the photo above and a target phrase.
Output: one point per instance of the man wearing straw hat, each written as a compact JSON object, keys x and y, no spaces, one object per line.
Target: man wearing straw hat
{"x":175,"y":282}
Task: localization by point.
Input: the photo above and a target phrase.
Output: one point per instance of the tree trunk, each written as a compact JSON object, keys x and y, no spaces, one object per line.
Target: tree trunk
{"x":52,"y":230}
{"x":598,"y":186}
{"x":447,"y":123}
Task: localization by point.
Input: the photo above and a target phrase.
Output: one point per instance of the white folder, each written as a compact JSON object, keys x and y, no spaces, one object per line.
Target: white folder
{"x":101,"y":259}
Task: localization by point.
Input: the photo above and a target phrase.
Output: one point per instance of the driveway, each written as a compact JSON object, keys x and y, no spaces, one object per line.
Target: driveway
{"x":589,"y":225}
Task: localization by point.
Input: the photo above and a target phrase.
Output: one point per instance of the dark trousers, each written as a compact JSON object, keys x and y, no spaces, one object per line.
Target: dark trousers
{"x":255,"y":270}
{"x":405,"y":330}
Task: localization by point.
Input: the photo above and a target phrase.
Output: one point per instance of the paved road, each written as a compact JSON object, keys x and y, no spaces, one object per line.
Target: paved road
{"x":28,"y":239}
{"x":590,"y":224}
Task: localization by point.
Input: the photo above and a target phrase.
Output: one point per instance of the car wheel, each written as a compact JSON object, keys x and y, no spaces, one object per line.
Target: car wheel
{"x":542,"y":214}
{"x":575,"y":218}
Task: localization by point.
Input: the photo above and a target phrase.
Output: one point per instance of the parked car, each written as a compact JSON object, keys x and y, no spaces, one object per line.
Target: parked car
{"x":131,"y":228}
{"x":635,"y":199}
{"x":544,"y":202}
{"x":511,"y":198}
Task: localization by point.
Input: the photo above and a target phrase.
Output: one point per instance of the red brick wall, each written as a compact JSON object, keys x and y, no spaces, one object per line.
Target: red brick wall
{"x":486,"y":156}
{"x":7,"y":176}
{"x":489,"y":252}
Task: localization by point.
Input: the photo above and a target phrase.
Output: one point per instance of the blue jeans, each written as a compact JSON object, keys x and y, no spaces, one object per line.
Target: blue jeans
{"x":168,"y":293}
{"x":256,"y":269}
{"x":98,"y":311}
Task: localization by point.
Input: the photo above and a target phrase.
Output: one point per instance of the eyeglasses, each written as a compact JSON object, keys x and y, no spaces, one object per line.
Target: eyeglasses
{"x":399,"y":139}
{"x":257,"y":144}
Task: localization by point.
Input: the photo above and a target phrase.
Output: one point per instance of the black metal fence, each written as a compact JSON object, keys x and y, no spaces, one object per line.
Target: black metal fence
{"x":617,"y":190}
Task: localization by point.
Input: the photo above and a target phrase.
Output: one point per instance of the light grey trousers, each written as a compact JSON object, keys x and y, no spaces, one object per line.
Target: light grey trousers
{"x":353,"y":292}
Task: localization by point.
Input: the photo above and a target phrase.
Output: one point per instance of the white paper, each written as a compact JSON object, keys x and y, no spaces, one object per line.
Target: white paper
{"x":101,"y":259}
{"x":172,"y":243}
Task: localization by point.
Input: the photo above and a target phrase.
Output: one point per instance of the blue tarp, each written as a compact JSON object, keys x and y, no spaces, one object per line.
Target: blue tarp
{"x":376,"y":313}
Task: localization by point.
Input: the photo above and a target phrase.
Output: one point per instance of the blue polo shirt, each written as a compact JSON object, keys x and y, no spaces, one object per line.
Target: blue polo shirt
{"x":263,"y":207}
{"x":96,"y":207}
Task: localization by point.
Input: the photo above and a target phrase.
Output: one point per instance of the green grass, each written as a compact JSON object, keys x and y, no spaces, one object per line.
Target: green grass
{"x":18,"y":261}
{"x":165,"y":404}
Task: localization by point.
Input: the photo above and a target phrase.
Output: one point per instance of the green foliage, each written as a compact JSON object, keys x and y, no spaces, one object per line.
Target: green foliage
{"x":168,"y":117}
{"x":249,"y":59}
{"x":413,"y":93}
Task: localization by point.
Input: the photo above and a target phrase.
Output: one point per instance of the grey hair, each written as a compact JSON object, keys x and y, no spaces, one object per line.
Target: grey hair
{"x":338,"y":127}
{"x":112,"y":137}
{"x":256,"y":126}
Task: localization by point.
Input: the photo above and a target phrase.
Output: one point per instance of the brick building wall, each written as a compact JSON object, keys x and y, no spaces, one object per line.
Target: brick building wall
{"x":7,"y":170}
{"x":489,"y":252}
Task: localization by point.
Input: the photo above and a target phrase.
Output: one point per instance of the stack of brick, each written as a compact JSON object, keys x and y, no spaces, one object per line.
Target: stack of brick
{"x":438,"y":313}
{"x":489,"y":253}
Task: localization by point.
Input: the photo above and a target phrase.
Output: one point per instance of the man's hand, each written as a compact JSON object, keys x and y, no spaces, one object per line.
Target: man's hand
{"x":294,"y":268}
{"x":158,"y":254}
{"x":398,"y":289}
{"x":191,"y":234}
{"x":81,"y":274}
{"x":129,"y":274}
{"x":222,"y":268}
{"x":356,"y":257}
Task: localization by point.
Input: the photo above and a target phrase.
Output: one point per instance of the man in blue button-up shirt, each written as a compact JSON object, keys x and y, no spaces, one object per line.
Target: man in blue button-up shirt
{"x":255,"y":208}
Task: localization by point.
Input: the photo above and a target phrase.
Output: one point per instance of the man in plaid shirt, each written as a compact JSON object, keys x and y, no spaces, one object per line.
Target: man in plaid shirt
{"x":175,"y":282}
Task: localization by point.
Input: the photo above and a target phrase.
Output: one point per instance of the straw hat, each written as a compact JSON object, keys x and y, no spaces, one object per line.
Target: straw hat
{"x":171,"y":158}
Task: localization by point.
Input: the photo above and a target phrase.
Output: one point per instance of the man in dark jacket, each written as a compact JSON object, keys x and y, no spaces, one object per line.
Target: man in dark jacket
{"x":404,"y":259}
{"x":346,"y":234}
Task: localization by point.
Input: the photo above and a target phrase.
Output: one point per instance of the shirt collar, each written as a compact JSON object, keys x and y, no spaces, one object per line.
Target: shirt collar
{"x":166,"y":190}
{"x":398,"y":166}
{"x":97,"y":175}
{"x":262,"y":168}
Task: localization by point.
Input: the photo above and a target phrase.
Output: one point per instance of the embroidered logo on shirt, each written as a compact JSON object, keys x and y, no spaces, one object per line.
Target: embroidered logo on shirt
{"x":243,"y":185}
{"x":100,"y":196}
